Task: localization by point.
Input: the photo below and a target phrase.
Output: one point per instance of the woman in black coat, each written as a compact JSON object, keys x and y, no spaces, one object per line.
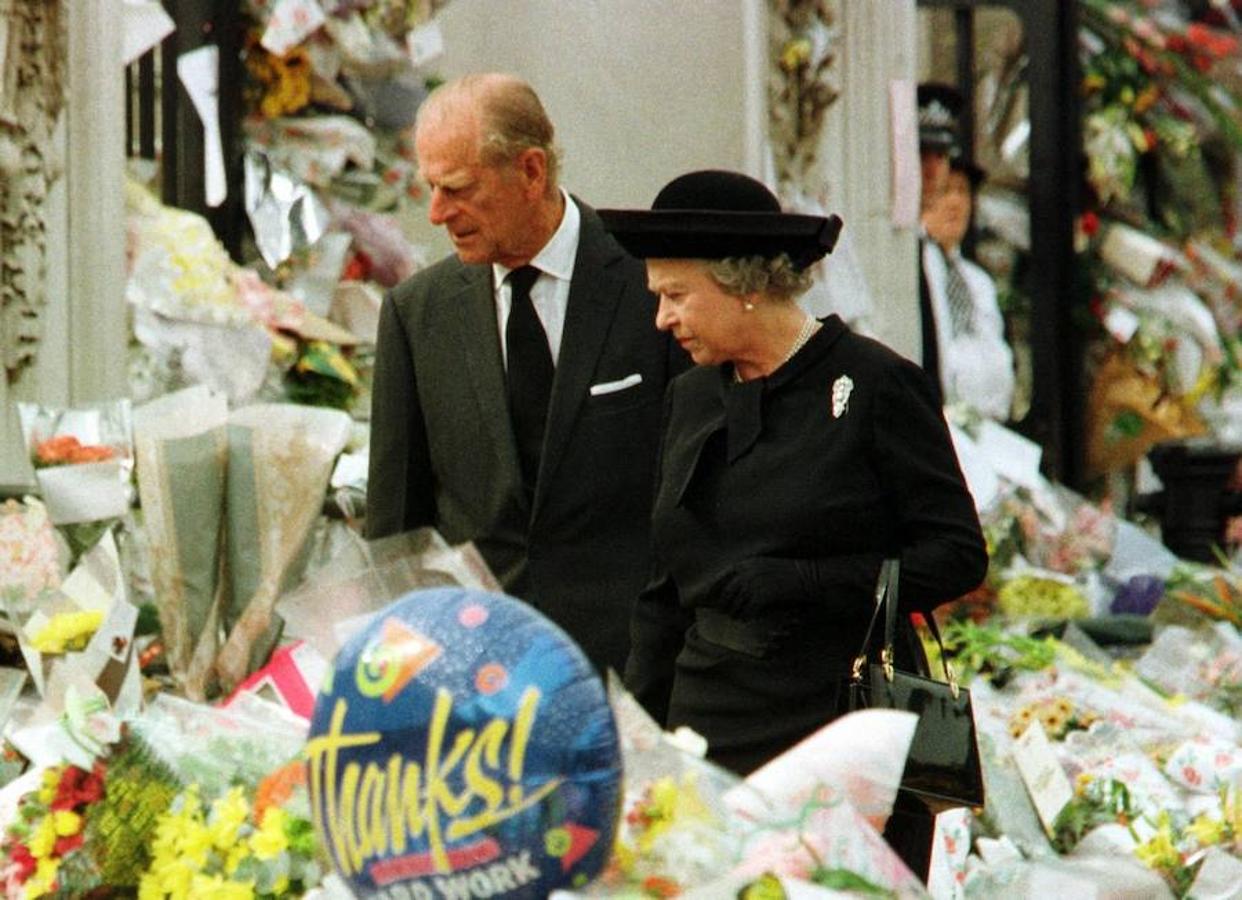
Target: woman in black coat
{"x":796,"y":457}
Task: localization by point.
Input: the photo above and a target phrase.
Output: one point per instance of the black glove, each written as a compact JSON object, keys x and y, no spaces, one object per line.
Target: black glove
{"x":761,"y":585}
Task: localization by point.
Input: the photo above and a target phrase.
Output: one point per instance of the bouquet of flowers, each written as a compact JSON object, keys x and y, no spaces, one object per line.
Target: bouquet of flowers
{"x":42,"y":850}
{"x":256,"y":845}
{"x":83,"y":829}
{"x":83,"y":459}
{"x":31,"y":556}
{"x":82,"y":632}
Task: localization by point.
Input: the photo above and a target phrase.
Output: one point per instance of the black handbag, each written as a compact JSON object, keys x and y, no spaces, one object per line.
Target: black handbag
{"x":943,"y":769}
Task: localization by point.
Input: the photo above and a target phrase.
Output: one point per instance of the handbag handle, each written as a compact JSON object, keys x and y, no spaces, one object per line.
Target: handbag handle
{"x":886,"y":599}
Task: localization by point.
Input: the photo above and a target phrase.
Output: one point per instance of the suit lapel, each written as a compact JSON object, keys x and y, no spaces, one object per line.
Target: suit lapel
{"x":473,"y":310}
{"x":593,"y":296}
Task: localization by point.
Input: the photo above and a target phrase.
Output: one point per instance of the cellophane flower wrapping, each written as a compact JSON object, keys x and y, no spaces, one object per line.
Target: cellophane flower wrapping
{"x":280,"y":459}
{"x":690,"y":828}
{"x":676,"y":832}
{"x":182,"y":450}
{"x":352,"y":578}
{"x":83,"y":460}
{"x":82,"y":632}
{"x":32,"y":558}
{"x":818,"y":808}
{"x":1203,"y":664}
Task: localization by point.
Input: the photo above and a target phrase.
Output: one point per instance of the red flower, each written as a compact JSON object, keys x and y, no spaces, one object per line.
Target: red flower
{"x":358,"y":268}
{"x":77,"y":787}
{"x":25,"y":862}
{"x":66,"y":845}
{"x":1090,"y":223}
{"x":1211,"y":41}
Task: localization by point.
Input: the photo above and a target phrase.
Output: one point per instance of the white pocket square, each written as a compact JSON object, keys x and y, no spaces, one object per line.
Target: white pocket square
{"x":611,"y":387}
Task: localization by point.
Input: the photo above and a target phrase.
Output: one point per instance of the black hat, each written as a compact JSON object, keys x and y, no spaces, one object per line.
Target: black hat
{"x":939,"y":107}
{"x":714,"y":214}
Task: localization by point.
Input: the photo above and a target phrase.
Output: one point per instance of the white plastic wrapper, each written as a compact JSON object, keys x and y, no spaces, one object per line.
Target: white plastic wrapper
{"x":83,"y":459}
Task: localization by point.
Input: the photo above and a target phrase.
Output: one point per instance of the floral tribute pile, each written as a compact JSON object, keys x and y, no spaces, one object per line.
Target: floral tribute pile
{"x":1106,"y":675}
{"x":1155,"y":291}
{"x":207,"y":814}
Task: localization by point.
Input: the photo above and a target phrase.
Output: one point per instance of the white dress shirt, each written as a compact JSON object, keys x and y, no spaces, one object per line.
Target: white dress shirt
{"x":976,"y":368}
{"x":550,"y":292}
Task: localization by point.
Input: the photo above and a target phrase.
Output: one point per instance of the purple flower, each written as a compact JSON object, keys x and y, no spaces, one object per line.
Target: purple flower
{"x":1138,"y":596}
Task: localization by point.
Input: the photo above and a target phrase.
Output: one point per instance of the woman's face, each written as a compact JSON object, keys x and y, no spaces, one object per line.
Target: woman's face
{"x":705,"y":320}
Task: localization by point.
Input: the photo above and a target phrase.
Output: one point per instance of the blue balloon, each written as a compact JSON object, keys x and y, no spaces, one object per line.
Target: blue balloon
{"x":463,"y":746}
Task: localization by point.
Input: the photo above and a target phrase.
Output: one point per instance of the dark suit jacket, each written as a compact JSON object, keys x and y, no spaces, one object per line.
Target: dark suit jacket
{"x":443,"y":452}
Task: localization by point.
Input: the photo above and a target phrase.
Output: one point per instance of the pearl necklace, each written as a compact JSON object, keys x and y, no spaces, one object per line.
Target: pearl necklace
{"x":810,"y":325}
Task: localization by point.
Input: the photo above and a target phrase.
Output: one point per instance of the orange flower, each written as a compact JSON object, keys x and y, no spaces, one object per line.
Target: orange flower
{"x":278,"y":786}
{"x":65,"y":449}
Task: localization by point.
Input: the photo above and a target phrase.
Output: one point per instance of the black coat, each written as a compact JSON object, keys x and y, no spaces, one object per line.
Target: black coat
{"x":775,"y":468}
{"x":443,"y":452}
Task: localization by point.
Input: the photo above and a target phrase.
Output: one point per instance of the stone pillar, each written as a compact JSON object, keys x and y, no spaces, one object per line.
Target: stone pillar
{"x":877,"y":45}
{"x":95,"y":225}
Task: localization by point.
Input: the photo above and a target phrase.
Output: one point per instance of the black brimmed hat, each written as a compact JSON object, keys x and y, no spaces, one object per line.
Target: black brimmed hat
{"x":714,"y":214}
{"x":939,"y":108}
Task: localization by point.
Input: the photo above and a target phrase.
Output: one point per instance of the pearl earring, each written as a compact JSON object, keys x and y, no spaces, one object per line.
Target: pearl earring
{"x":748,"y":306}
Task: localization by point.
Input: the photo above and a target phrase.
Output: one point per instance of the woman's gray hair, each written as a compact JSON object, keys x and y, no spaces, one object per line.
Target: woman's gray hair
{"x":776,"y":276}
{"x":512,"y":118}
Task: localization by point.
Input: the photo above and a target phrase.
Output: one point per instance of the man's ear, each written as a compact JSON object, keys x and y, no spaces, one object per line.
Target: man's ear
{"x":533,"y":164}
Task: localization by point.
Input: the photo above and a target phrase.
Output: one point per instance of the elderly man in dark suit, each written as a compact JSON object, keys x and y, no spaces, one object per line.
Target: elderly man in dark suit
{"x":518,"y":383}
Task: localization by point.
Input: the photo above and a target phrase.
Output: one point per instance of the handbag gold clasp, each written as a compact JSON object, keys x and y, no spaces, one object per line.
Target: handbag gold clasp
{"x":951,"y":677}
{"x":886,"y":660}
{"x":856,"y":669}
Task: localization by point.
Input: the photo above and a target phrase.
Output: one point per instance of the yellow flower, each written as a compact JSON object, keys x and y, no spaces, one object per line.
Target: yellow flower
{"x":1206,"y":830}
{"x":47,"y":790}
{"x":172,"y":877}
{"x":43,"y":880}
{"x":66,"y":823}
{"x":67,"y":631}
{"x":228,"y":815}
{"x":194,"y":841}
{"x":236,"y":855}
{"x":1054,"y":723}
{"x":796,"y":53}
{"x":149,"y":887}
{"x":216,"y":887}
{"x":270,"y":841}
{"x":1159,"y":852}
{"x":42,"y":839}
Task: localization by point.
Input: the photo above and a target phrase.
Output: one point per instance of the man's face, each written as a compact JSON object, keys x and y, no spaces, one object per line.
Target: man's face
{"x":486,"y":209}
{"x":935,"y":169}
{"x":948,"y":216}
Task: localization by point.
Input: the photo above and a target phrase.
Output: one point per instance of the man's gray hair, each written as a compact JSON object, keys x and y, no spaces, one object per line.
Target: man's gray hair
{"x":512,"y":118}
{"x":776,"y":276}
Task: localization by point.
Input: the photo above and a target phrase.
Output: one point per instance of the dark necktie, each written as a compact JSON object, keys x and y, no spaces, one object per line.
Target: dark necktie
{"x":530,"y":372}
{"x":961,"y":305}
